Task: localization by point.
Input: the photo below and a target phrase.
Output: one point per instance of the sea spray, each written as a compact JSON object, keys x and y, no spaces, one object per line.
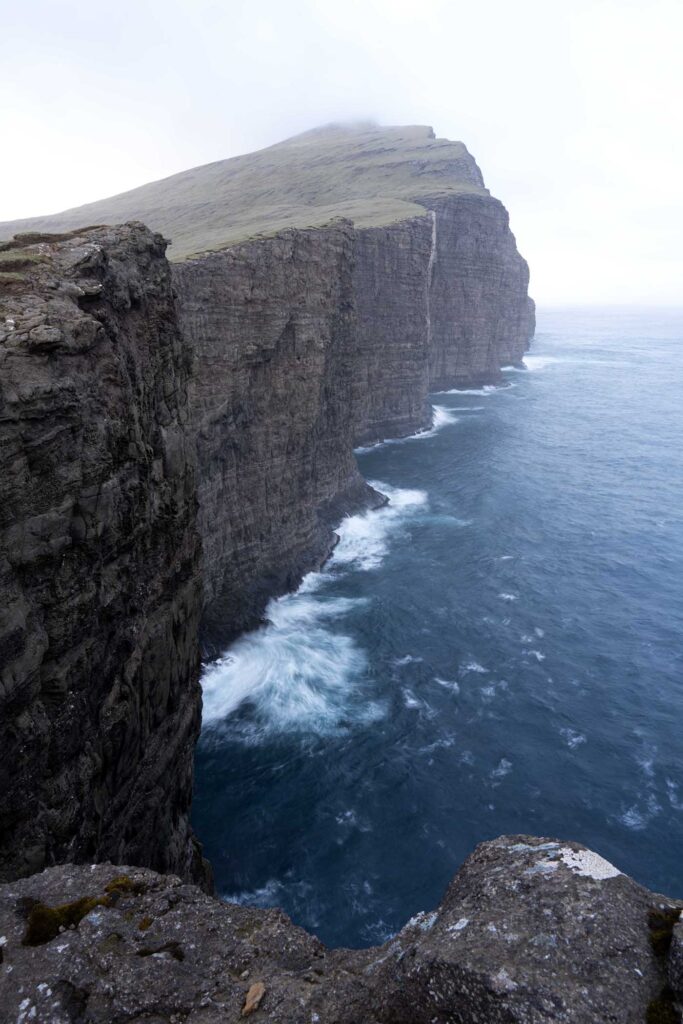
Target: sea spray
{"x":298,"y":672}
{"x":442,"y":417}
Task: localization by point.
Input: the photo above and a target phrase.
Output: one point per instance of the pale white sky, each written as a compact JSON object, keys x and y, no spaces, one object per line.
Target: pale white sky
{"x":572,"y":109}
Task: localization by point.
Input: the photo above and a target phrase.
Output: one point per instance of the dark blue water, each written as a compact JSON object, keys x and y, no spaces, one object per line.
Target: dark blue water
{"x":499,"y":651}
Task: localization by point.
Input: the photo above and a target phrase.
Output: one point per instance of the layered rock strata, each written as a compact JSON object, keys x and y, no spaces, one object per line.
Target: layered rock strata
{"x":480,"y":315}
{"x":312,"y":341}
{"x":392,"y":270}
{"x":99,"y":556}
{"x":305,"y":343}
{"x":274,"y":327}
{"x":530,"y":931}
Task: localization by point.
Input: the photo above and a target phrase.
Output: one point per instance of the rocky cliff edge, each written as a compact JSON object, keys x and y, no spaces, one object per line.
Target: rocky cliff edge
{"x":529,"y":931}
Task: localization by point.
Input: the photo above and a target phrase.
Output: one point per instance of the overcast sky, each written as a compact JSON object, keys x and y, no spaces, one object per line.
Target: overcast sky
{"x":572,"y":109}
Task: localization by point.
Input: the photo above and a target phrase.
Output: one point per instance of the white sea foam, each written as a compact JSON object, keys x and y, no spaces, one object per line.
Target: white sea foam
{"x":572,"y":738}
{"x":441,"y":744}
{"x":540,"y":362}
{"x":295,"y":672}
{"x":442,"y":416}
{"x":448,"y":684}
{"x":672,"y":794}
{"x":272,"y":894}
{"x":473,"y":666}
{"x":646,"y":762}
{"x":633,"y":819}
{"x":488,"y":389}
{"x":536,"y":362}
{"x":504,"y":768}
{"x":640,"y":814}
{"x":363,"y":539}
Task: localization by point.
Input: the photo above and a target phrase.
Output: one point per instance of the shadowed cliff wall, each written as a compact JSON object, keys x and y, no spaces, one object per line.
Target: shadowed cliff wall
{"x":305,"y":343}
{"x":481,"y":315}
{"x":312,"y":341}
{"x":274,"y":329}
{"x":99,"y":557}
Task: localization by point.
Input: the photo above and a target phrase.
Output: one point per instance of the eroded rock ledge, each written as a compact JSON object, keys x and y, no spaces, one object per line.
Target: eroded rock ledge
{"x":529,"y":931}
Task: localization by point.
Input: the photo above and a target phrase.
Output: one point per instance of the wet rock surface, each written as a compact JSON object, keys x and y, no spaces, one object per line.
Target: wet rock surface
{"x":99,"y":556}
{"x":530,"y":930}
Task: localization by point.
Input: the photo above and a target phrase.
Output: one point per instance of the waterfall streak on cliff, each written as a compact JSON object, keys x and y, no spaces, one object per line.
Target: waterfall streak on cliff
{"x":430,"y":274}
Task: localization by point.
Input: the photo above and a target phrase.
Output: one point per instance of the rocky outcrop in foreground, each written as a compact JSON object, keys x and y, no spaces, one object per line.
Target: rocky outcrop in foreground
{"x":99,"y":556}
{"x":529,"y":931}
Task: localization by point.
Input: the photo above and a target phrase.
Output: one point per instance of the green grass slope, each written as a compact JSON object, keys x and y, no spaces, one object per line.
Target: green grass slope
{"x":370,"y":174}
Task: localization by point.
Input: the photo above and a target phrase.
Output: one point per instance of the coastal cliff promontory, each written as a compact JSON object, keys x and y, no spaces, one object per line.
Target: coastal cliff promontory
{"x":177,"y":442}
{"x":176,"y":447}
{"x":326,"y":285}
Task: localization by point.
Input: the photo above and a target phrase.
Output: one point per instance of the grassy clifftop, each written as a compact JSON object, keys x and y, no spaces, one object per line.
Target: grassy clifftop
{"x":370,"y":174}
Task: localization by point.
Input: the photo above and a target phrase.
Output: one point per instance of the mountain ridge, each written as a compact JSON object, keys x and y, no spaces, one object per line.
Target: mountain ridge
{"x":366,"y":173}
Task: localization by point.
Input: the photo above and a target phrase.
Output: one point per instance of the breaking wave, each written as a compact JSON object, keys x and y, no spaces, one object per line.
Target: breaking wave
{"x":364,"y":538}
{"x":442,"y":416}
{"x":298,"y":673}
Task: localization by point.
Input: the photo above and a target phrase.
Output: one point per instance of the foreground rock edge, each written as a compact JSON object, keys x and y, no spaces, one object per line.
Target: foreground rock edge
{"x":529,"y":930}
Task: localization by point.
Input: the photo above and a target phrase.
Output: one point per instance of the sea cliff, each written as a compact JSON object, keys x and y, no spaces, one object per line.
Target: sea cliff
{"x":273,"y":326}
{"x":99,"y":556}
{"x":177,"y":445}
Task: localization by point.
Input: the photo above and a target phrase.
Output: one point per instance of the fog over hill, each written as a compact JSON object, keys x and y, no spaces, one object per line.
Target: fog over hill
{"x":370,"y":174}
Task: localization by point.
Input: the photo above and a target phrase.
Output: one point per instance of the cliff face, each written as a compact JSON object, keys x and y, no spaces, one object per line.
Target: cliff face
{"x":530,"y":931}
{"x":274,"y":330}
{"x":99,"y":557}
{"x":391,"y":286}
{"x":481,"y":317}
{"x":306,"y":342}
{"x":310,"y":341}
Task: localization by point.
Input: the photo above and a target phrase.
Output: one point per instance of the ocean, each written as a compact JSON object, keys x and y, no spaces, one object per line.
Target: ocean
{"x":499,"y":650}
